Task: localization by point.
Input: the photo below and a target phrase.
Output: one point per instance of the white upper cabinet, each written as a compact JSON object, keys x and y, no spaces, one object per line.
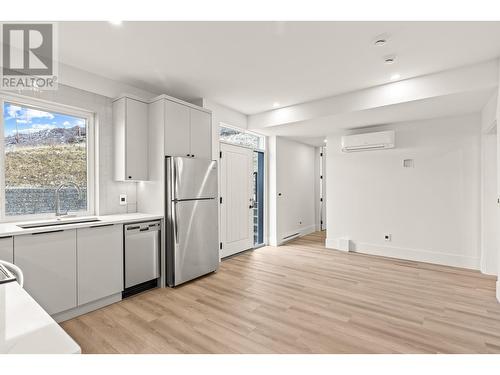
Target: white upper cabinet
{"x":177,"y":129}
{"x":188,"y":131}
{"x":130,"y":127}
{"x":7,"y":249}
{"x":100,"y":262}
{"x":48,"y":261}
{"x":201,"y":134}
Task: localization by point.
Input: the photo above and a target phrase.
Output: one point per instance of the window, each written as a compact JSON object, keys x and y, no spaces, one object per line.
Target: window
{"x":258,"y":193}
{"x":45,"y":146}
{"x":240,"y":137}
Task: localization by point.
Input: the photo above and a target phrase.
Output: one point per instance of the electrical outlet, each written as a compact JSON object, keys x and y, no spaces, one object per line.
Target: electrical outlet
{"x":123,"y":199}
{"x":388,"y":237}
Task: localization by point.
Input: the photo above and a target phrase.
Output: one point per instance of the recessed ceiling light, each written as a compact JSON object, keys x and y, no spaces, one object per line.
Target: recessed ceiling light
{"x":325,"y":140}
{"x":276,"y":105}
{"x":395,"y":77}
{"x":390,"y":59}
{"x":380,"y":40}
{"x":116,"y":22}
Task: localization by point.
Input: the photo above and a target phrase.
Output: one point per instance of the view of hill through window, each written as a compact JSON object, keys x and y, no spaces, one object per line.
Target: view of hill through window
{"x":43,"y":150}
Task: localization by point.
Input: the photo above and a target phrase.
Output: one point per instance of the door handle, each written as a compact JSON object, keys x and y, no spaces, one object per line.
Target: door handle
{"x":252,"y":203}
{"x":176,"y":233}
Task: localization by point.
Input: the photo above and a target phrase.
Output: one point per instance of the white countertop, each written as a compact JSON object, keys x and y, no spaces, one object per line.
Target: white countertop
{"x":12,"y":229}
{"x":26,"y":328}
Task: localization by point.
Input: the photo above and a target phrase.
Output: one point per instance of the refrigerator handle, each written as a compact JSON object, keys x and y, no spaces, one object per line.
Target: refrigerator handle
{"x":176,"y":233}
{"x":174,"y":178}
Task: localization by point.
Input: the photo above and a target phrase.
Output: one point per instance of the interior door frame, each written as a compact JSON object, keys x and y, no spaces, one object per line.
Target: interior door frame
{"x":223,"y":242}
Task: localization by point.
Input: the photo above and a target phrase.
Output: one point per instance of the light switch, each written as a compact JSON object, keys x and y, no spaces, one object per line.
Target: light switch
{"x":123,"y":199}
{"x":408,"y":163}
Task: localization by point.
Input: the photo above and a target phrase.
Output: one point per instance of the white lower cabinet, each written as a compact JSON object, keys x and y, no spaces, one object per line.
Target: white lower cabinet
{"x":100,"y":262}
{"x":48,"y":261}
{"x":7,"y":249}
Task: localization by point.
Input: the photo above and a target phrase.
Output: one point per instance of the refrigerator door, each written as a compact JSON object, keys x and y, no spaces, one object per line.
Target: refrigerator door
{"x":196,"y":248}
{"x":193,"y":178}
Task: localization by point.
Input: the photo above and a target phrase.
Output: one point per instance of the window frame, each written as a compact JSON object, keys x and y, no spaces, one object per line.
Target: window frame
{"x":240,"y":130}
{"x":48,"y":106}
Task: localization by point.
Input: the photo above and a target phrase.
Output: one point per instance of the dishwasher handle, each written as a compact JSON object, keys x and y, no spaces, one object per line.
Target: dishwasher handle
{"x":142,"y":227}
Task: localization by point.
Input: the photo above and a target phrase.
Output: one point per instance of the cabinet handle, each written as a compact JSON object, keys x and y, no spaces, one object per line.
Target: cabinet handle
{"x":130,"y":177}
{"x":132,"y":228}
{"x":6,"y":237}
{"x":101,"y":226}
{"x":188,"y":155}
{"x":192,"y":156}
{"x":49,"y":231}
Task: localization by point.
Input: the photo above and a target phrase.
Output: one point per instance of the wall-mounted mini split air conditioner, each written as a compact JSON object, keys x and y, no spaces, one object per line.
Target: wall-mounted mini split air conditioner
{"x":368,"y":141}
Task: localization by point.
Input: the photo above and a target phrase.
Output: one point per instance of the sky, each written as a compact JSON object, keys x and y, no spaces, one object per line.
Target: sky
{"x":31,"y":120}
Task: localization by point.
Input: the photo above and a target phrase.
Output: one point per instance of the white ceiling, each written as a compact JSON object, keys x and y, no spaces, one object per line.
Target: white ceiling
{"x":248,"y":66}
{"x":313,"y":132}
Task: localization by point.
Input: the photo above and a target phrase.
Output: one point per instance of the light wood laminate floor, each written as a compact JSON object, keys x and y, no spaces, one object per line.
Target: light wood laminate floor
{"x":303,"y":298}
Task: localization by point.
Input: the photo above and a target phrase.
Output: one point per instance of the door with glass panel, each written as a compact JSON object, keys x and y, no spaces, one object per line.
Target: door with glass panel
{"x":237,"y":199}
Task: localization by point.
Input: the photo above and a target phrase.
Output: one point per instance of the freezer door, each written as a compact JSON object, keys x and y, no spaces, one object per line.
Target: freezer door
{"x":196,"y":250}
{"x":193,"y":178}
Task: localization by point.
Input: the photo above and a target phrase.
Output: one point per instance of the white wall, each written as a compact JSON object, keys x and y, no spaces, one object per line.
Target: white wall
{"x":81,"y":79}
{"x":432,"y":210}
{"x":221,"y":114}
{"x":489,"y":217}
{"x":498,"y":182}
{"x":292,"y":174}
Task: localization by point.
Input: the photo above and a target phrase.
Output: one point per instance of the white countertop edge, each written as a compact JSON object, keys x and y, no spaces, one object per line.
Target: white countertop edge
{"x":11,"y":229}
{"x":28,"y":328}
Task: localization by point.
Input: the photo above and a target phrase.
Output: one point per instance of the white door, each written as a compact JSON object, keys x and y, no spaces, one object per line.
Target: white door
{"x":236,"y":168}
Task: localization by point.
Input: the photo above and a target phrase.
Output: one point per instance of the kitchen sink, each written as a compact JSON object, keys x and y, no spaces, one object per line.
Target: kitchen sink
{"x":61,"y":221}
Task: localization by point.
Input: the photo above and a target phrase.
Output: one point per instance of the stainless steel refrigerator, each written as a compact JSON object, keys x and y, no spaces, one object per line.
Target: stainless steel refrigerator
{"x":192,"y":218}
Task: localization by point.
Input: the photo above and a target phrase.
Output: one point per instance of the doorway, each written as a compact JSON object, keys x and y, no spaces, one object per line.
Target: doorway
{"x":237,"y":199}
{"x":322,"y":188}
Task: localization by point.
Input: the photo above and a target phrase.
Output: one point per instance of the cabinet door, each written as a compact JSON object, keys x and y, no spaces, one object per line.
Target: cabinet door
{"x":7,"y":249}
{"x":201,"y":134}
{"x":136,"y":153}
{"x":100,"y":262}
{"x":177,"y":130}
{"x":48,"y":261}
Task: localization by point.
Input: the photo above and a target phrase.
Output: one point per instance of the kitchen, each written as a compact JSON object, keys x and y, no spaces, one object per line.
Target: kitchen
{"x":237,"y":188}
{"x":75,"y":263}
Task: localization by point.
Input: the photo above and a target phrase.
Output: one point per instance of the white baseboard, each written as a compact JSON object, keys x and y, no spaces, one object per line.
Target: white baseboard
{"x":301,"y":232}
{"x":418,"y":255}
{"x":498,"y":290}
{"x":333,"y":243}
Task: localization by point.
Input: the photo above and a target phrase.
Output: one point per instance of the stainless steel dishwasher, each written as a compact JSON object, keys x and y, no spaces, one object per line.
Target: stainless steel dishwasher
{"x":141,"y":256}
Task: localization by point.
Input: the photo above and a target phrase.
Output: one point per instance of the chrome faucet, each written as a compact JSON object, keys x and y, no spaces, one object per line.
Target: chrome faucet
{"x":58,"y":203}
